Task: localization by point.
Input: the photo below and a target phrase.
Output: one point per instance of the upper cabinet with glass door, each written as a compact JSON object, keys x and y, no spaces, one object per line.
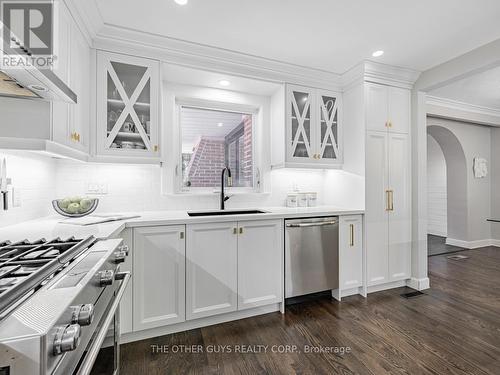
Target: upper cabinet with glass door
{"x":313,"y":128}
{"x":127,"y":105}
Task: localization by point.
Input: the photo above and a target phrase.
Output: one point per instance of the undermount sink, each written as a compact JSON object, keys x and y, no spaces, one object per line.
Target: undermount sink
{"x":224,"y":213}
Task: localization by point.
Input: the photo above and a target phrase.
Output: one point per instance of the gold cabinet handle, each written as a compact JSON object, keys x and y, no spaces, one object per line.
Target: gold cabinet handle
{"x":241,"y":230}
{"x":181,"y":235}
{"x":235,"y":231}
{"x":351,"y":235}
{"x":390,"y":124}
{"x":389,"y":200}
{"x":155,"y":148}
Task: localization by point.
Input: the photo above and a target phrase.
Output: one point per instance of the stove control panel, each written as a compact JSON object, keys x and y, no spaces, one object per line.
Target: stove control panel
{"x":82,"y":314}
{"x":67,"y":338}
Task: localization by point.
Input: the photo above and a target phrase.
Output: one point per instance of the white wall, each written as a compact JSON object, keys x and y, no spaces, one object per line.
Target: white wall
{"x":436,"y":189}
{"x":476,"y":142}
{"x":34,"y":176}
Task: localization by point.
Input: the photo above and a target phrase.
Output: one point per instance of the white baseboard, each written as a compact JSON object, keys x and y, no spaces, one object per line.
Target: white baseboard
{"x":418,"y":284}
{"x":472,"y":244}
{"x":386,"y":286}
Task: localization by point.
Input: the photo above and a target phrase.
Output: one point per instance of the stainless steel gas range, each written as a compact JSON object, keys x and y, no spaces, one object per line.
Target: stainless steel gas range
{"x":59,"y":301}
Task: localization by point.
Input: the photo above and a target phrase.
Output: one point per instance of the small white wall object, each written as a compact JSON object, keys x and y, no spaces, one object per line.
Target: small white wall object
{"x":480,"y":167}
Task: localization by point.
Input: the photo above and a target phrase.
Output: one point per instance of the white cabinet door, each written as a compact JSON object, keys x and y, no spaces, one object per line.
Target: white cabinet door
{"x":127,"y":106}
{"x":60,"y":117}
{"x":376,"y":219}
{"x":260,"y":262}
{"x":159,"y":276}
{"x":400,"y":214}
{"x":399,"y":110}
{"x":328,"y":128}
{"x":80,"y":84}
{"x":351,"y":252}
{"x":377,"y":106}
{"x":211,"y":269}
{"x":300,"y":134}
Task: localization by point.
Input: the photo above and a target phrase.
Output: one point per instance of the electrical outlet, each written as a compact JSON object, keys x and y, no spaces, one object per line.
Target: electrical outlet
{"x":96,"y":188}
{"x":16,"y":197}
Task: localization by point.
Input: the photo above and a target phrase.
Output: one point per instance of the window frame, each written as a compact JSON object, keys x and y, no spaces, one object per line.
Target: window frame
{"x":222,"y":107}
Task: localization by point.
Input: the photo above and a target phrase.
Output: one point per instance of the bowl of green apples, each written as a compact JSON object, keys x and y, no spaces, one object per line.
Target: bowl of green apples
{"x":75,"y":206}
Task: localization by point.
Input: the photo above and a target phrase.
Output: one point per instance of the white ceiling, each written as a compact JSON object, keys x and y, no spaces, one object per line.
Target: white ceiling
{"x":197,"y":77}
{"x":481,"y":89}
{"x":331,"y":35}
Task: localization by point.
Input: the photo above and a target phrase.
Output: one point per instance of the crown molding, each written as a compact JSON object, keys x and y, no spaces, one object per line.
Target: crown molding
{"x":370,"y":71}
{"x":454,"y":109}
{"x":88,"y":17}
{"x":180,"y":52}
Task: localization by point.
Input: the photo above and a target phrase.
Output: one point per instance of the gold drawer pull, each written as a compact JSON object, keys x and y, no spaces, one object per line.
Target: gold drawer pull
{"x":351,"y":235}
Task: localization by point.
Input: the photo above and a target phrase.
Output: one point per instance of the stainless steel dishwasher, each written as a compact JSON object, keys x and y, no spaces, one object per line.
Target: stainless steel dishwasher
{"x":311,"y":255}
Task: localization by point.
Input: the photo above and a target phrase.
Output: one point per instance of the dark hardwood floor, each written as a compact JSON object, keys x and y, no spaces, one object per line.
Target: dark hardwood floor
{"x":437,"y":245}
{"x":453,"y":329}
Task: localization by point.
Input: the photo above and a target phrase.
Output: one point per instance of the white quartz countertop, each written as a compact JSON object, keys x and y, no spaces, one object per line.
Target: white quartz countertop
{"x":53,"y":226}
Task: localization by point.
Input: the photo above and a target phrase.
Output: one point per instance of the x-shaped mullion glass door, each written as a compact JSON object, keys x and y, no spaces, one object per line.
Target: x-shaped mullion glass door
{"x":301,"y":130}
{"x":122,"y":127}
{"x":329,"y":134}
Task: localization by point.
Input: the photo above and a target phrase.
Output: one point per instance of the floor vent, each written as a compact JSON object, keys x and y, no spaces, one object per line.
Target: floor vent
{"x":412,"y":294}
{"x":457,"y":257}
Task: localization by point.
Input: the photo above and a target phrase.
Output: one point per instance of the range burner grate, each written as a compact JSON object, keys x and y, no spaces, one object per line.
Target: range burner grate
{"x":25,"y":266}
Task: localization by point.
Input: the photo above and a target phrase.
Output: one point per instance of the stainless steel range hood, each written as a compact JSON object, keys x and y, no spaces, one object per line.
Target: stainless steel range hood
{"x":32,"y":82}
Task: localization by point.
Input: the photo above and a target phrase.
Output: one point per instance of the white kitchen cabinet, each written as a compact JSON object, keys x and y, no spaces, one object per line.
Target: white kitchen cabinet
{"x":376,"y":216}
{"x":400,"y":207}
{"x":127,"y":106}
{"x":388,"y":207}
{"x":71,"y":122}
{"x":233,"y":266}
{"x":387,"y":108}
{"x":158,"y":276}
{"x":260,"y":251}
{"x":313,"y":128}
{"x":350,"y":252}
{"x":211,"y":269}
{"x":57,"y":127}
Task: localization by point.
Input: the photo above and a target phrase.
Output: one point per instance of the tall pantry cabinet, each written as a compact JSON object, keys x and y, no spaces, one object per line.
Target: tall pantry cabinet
{"x":388,"y":184}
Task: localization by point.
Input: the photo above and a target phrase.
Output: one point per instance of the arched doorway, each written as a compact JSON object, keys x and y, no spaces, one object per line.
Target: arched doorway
{"x":456,"y":184}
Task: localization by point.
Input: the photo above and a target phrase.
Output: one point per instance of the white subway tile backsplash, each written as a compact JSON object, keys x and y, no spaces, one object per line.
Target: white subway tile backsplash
{"x":35,"y":177}
{"x":138,"y":187}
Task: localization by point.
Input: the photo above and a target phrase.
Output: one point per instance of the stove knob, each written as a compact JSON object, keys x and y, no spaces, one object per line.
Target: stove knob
{"x":83,"y":314}
{"x":120,"y":256}
{"x":124,"y":248}
{"x":106,"y":277}
{"x":67,"y":339}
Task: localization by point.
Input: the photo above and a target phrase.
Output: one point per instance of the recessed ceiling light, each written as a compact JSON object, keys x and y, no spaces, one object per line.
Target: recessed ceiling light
{"x":378,"y":53}
{"x":224,"y":82}
{"x":181,"y":2}
{"x":220,"y":124}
